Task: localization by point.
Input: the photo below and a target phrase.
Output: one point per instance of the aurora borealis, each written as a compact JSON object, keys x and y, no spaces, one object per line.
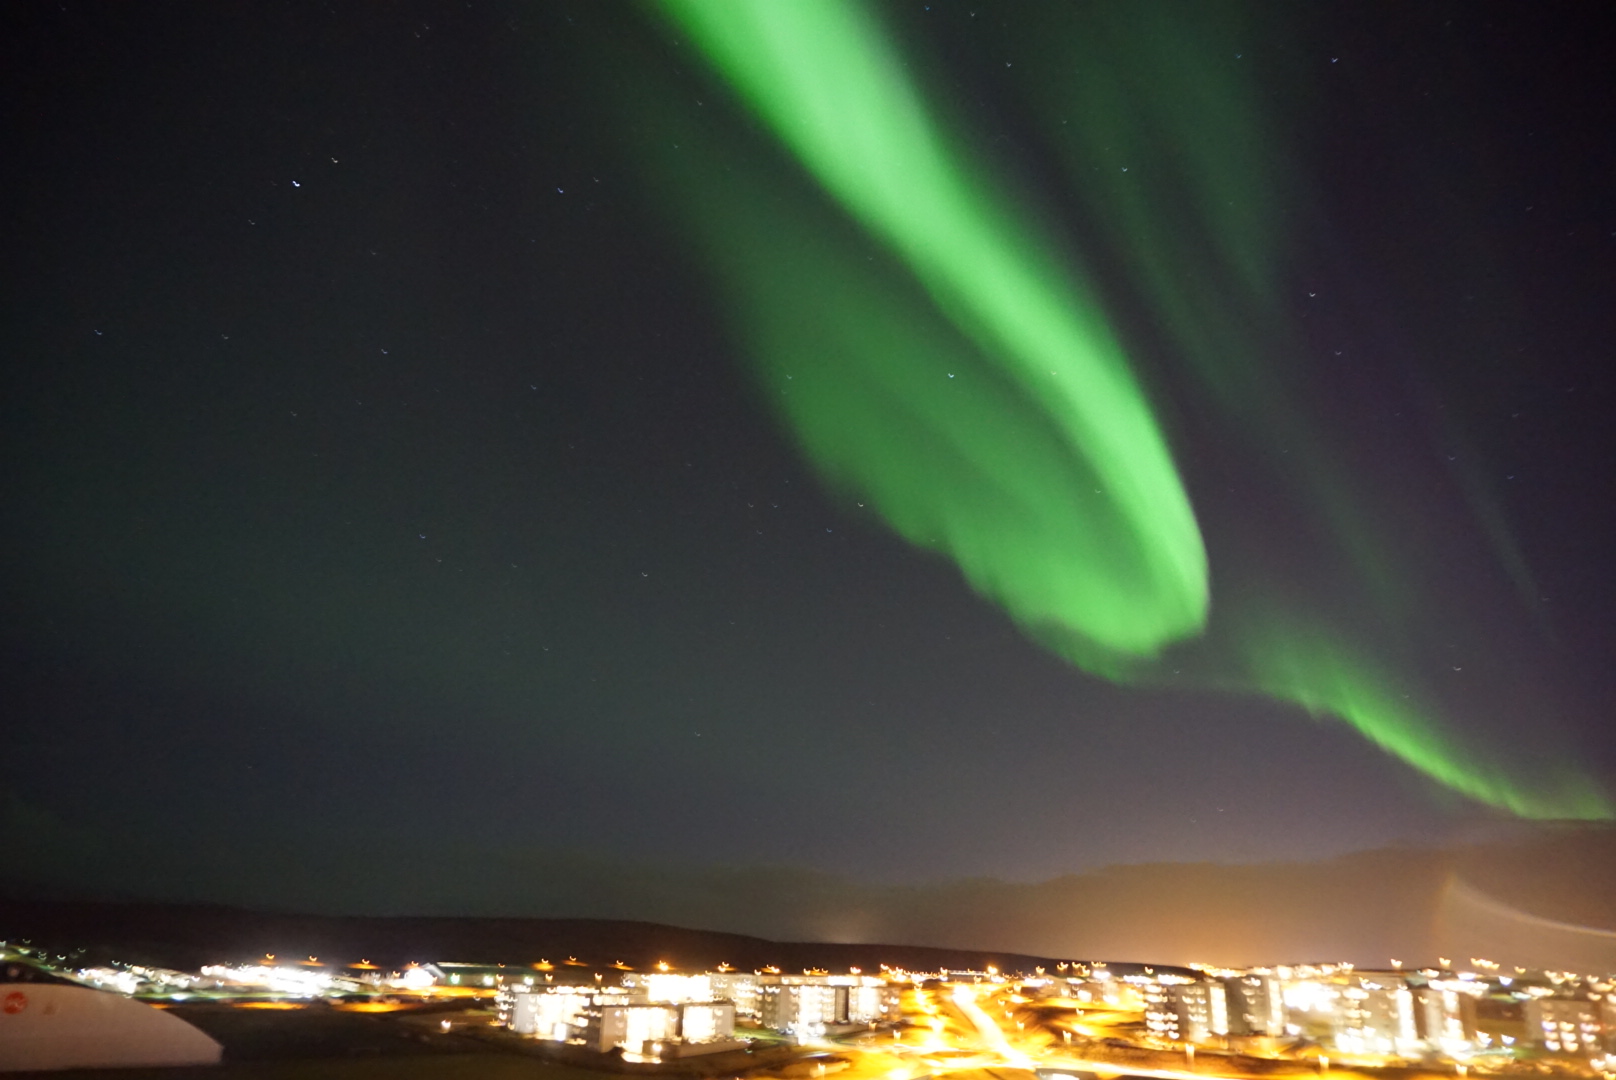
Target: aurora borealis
{"x":988,"y":447}
{"x":920,"y":442}
{"x":959,"y":438}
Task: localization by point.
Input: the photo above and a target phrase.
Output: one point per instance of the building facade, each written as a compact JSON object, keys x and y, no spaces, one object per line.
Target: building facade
{"x":810,"y":1005}
{"x":1255,"y":1004}
{"x":1191,"y":1011}
{"x":618,"y":1019}
{"x":1565,"y":1026}
{"x":742,"y":988}
{"x":1376,"y":1018}
{"x":1445,"y":1016}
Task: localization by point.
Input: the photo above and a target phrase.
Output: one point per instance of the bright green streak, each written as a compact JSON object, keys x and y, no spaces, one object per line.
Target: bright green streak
{"x":825,"y":80}
{"x":963,"y":383}
{"x":1322,"y":676}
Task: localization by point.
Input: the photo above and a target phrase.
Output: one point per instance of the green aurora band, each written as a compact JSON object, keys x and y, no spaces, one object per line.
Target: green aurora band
{"x":1125,"y":573}
{"x":963,"y":381}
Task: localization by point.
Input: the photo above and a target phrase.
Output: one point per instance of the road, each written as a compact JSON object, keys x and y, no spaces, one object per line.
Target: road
{"x":994,"y":1036}
{"x":970,"y":1038}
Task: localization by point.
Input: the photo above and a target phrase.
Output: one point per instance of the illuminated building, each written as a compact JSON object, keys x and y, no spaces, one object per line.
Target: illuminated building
{"x":477,"y":976}
{"x":1114,"y":993}
{"x":415,"y":977}
{"x":799,"y":1006}
{"x":1186,"y":1010}
{"x":1445,"y":1015}
{"x":741,"y":988}
{"x":640,"y":1028}
{"x":653,"y":1031}
{"x":665,"y":987}
{"x":289,"y":979}
{"x":1255,"y":1005}
{"x":1565,"y":1026}
{"x":1312,"y":1005}
{"x":605,"y":1020}
{"x":871,"y":1001}
{"x":805,"y":1005}
{"x":703,"y":1023}
{"x":556,"y":1013}
{"x":1376,"y":1017}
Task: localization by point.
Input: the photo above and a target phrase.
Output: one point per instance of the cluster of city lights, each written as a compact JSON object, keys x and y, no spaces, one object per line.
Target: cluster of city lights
{"x":1478,"y":1017}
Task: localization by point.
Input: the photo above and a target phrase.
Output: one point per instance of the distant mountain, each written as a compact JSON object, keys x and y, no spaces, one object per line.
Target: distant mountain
{"x":1533,"y":895}
{"x":187,"y":936}
{"x":1544,"y":898}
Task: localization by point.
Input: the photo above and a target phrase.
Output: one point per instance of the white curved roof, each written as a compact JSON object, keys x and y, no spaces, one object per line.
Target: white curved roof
{"x":49,"y":1026}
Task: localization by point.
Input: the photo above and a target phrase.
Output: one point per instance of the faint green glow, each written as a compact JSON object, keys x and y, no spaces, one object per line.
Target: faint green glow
{"x":960,"y":379}
{"x":1122,"y":571}
{"x":1168,"y":140}
{"x":1324,"y":677}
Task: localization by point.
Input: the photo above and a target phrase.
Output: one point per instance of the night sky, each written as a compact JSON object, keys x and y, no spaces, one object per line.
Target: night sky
{"x":402,"y":461}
